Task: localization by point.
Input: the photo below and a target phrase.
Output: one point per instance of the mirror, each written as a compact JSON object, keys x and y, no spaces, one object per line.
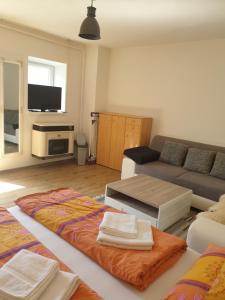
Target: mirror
{"x":11,"y":72}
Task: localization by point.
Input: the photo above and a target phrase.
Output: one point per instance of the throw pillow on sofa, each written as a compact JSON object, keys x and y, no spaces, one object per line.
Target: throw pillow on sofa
{"x":199,"y":160}
{"x":173,"y":153}
{"x":142,"y":155}
{"x":200,"y":280}
{"x":218,"y":169}
{"x":217,"y":291}
{"x":217,"y":216}
{"x":216,"y":212}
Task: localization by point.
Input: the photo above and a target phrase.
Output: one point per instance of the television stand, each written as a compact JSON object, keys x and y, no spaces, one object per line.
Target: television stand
{"x":50,"y":140}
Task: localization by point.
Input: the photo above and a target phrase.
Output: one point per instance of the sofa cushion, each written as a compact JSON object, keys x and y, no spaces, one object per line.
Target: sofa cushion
{"x":218,"y":169}
{"x":173,"y":153}
{"x":160,"y":170}
{"x":202,"y":185}
{"x":218,"y":288}
{"x":142,"y":155}
{"x":199,"y":160}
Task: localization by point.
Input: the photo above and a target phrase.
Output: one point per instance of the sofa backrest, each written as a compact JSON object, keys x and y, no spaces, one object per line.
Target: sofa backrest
{"x":159,"y":140}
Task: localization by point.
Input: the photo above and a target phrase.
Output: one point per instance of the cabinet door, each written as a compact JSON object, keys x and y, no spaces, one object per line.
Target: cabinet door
{"x":132,"y":132}
{"x":104,"y":140}
{"x":117,"y":142}
{"x":146,"y":128}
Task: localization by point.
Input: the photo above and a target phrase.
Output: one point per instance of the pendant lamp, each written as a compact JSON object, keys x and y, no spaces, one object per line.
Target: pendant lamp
{"x":89,"y":29}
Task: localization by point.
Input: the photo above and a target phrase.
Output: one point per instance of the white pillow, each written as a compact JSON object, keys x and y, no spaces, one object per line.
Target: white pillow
{"x":217,"y":206}
{"x":222,"y":198}
{"x":215,"y":216}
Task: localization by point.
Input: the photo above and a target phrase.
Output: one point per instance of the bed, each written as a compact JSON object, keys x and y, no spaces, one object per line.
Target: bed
{"x":15,"y":237}
{"x":98,"y":279}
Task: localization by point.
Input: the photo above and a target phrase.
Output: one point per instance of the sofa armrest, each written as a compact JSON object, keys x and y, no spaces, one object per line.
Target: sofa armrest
{"x":204,"y":231}
{"x":128,"y":168}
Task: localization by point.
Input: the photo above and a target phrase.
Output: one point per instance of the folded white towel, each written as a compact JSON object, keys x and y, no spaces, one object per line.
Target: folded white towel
{"x":26,"y":276}
{"x":129,"y":247}
{"x":144,"y":240}
{"x":121,"y":225}
{"x":62,"y":287}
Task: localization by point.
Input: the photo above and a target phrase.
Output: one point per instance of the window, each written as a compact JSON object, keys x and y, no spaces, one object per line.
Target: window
{"x":47,"y":72}
{"x":39,"y":73}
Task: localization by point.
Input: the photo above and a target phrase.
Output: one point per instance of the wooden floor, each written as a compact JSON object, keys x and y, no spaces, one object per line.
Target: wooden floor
{"x":89,"y":180}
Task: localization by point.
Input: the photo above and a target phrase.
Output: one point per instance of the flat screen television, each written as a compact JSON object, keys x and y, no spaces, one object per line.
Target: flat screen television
{"x":44,"y":98}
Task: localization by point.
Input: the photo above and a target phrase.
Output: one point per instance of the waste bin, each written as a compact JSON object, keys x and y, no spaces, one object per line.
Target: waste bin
{"x":81,"y":150}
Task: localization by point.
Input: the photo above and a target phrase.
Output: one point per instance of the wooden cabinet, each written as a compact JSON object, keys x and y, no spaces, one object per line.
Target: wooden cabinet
{"x":132,"y":132}
{"x":117,"y":142}
{"x":117,"y":132}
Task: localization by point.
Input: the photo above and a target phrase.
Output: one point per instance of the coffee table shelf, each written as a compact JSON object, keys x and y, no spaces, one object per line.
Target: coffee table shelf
{"x":150,"y":198}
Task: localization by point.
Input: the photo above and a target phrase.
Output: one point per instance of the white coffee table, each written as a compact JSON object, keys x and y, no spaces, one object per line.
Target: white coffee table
{"x":147,"y":197}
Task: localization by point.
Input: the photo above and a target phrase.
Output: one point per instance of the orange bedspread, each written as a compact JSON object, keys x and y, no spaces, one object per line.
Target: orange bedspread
{"x":14,"y":237}
{"x":76,"y":219}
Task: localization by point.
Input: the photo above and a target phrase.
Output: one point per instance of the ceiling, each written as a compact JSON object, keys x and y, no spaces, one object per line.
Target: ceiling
{"x":123,"y":23}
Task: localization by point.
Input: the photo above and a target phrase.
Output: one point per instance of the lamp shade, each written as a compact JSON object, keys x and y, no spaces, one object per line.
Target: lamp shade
{"x":89,"y":28}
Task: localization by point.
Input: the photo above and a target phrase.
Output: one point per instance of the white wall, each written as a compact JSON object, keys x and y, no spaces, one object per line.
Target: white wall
{"x":182,"y":86}
{"x":18,"y":46}
{"x":95,"y":90}
{"x":102,"y":79}
{"x":90,"y":75}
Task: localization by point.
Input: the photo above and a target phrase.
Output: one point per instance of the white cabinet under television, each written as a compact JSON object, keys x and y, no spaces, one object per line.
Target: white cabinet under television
{"x":51,"y":140}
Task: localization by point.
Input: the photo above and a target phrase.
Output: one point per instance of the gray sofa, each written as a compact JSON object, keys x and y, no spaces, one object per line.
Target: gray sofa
{"x":205,"y":187}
